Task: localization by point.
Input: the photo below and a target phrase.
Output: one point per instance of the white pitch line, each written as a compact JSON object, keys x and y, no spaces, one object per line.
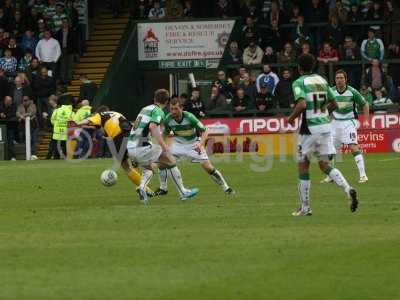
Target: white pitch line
{"x":390,"y":159}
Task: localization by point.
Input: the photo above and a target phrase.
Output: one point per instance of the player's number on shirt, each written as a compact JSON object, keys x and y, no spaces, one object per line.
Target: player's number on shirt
{"x":319,"y":100}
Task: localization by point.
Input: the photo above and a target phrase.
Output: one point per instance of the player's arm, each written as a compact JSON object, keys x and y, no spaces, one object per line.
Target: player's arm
{"x":156,"y":134}
{"x":361,"y":102}
{"x":331,"y":101}
{"x":94,"y":120}
{"x":300,"y":101}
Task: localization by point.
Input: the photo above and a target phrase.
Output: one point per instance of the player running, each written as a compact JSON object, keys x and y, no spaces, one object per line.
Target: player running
{"x":148,"y":155}
{"x":313,"y":98}
{"x":189,"y":140}
{"x":115,"y":126}
{"x":344,"y":124}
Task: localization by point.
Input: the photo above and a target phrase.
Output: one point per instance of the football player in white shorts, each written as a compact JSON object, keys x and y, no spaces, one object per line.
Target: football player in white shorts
{"x":187,"y":145}
{"x":344,"y":124}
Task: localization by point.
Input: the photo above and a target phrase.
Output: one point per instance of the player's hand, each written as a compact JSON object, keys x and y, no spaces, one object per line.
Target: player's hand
{"x":198,"y":147}
{"x":291,"y":122}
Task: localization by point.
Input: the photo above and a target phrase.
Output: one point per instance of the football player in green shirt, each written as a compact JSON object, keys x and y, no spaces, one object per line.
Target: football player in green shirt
{"x":313,"y":100}
{"x":188,"y":142}
{"x":344,"y":125}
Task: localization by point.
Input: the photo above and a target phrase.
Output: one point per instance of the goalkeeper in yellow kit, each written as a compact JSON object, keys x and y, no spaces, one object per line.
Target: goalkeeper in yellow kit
{"x":118,"y":128}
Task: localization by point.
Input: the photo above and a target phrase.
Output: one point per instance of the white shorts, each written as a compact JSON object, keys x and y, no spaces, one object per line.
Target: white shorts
{"x":320,"y":145}
{"x":186,"y":152}
{"x":344,"y":132}
{"x":145,"y":155}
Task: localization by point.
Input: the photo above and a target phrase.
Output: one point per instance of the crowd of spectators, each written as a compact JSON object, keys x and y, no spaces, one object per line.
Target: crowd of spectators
{"x":40,"y":41}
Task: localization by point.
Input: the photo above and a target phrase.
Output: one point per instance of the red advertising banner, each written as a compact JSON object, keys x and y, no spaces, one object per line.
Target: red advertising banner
{"x":265,"y":125}
{"x":383,"y":134}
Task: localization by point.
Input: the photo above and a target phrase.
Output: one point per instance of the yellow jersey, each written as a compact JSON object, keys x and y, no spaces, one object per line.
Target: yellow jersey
{"x":113,"y":123}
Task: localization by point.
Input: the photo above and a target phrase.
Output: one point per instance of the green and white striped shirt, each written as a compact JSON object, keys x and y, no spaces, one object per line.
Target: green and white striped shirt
{"x":187,"y":130}
{"x":347,"y":102}
{"x":314,"y":89}
{"x":140,"y":133}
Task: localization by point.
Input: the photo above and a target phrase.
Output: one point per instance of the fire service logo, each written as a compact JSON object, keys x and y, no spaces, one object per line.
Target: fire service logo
{"x":150,"y":44}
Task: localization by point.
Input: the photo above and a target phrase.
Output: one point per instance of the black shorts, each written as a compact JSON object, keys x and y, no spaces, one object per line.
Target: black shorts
{"x":121,"y":140}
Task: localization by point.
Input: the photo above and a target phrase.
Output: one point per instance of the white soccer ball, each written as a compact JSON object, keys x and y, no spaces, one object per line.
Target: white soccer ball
{"x":108,"y":177}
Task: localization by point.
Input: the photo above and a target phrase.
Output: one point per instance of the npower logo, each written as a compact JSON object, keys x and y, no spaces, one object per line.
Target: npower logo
{"x":385,"y":121}
{"x":266,"y":125}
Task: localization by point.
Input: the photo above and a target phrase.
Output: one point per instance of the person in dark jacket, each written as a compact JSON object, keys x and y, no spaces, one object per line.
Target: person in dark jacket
{"x":43,"y":86}
{"x":4,"y":84}
{"x":283,"y":92}
{"x":66,"y":36}
{"x":195,"y":105}
{"x":240,"y":101}
{"x":88,"y":88}
{"x":8,"y":116}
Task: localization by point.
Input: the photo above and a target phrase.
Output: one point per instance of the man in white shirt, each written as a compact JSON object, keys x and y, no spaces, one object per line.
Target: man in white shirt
{"x":48,"y":51}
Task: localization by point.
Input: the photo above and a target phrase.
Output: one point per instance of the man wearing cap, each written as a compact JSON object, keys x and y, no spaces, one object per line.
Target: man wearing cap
{"x":372,"y":48}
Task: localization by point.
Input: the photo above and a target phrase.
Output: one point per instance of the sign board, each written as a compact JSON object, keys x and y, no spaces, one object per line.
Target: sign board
{"x":189,"y":64}
{"x":191,"y":40}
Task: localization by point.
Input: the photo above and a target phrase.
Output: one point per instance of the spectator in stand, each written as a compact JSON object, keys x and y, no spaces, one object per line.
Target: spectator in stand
{"x":340,"y":12}
{"x":43,"y":86}
{"x":242,"y":72}
{"x":224,"y":8}
{"x":305,"y":48}
{"x":29,"y":41}
{"x":381,"y":98}
{"x":69,"y":45}
{"x":376,"y":13}
{"x":17,"y":25}
{"x":156,"y":12}
{"x":375,"y":77}
{"x":187,"y":9}
{"x":3,"y":19}
{"x":57,"y":20}
{"x":269,"y":56}
{"x":250,"y":32}
{"x":16,"y":51}
{"x":28,"y":109}
{"x":41,"y":29}
{"x":248,"y":8}
{"x":264,"y":9}
{"x":8,"y":114}
{"x":88,"y":88}
{"x":33,"y":69}
{"x":253,"y":54}
{"x":394,"y":70}
{"x":234,"y":55}
{"x":267,"y":79}
{"x":249,"y":87}
{"x":365,"y":91}
{"x":300,"y":33}
{"x":264,"y":97}
{"x":31,"y":19}
{"x":141,"y":11}
{"x":224,"y":84}
{"x":73,"y":18}
{"x":334,"y":31}
{"x":354,"y":16}
{"x":18,"y":91}
{"x":50,"y":10}
{"x":372,"y":48}
{"x":82,"y":8}
{"x":316,"y":12}
{"x":350,"y":52}
{"x":48,"y":51}
{"x":283,"y":92}
{"x":9,"y":64}
{"x":294,"y":13}
{"x":326,"y":56}
{"x":287,"y":55}
{"x":276,"y":14}
{"x":4,"y":84}
{"x":174,"y":9}
{"x":25,"y":61}
{"x":217,"y":100}
{"x":195,"y":105}
{"x":273,"y":36}
{"x":240,"y":101}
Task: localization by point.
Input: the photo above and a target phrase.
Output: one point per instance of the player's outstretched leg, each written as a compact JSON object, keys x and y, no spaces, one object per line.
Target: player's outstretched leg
{"x":217,"y":177}
{"x":359,"y":159}
{"x":146,"y":177}
{"x":135,"y":177}
{"x":176,"y":177}
{"x":339,"y":179}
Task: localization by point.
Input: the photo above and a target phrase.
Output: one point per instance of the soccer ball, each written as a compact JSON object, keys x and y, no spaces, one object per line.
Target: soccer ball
{"x":108,"y":177}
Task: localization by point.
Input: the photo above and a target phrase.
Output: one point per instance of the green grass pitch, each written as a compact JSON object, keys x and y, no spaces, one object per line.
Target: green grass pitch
{"x":64,"y":236}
